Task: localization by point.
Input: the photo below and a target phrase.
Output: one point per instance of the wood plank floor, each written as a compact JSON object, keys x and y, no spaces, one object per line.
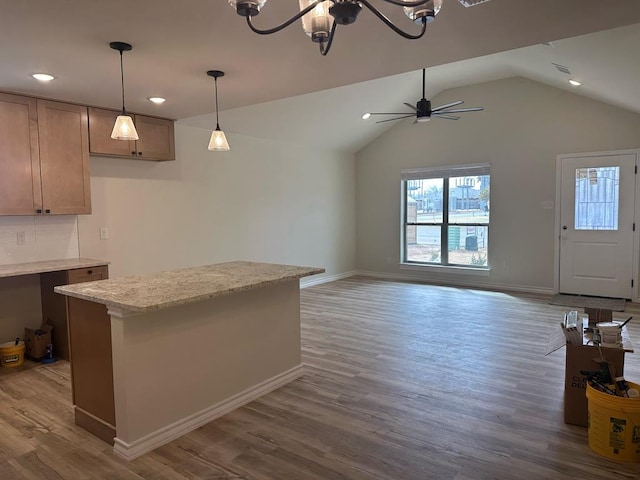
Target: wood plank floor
{"x":402,"y":381}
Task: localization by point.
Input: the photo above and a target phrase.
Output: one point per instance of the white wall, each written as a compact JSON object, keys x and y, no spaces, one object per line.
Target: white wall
{"x":261,"y":201}
{"x":524,"y":126}
{"x":46,"y":238}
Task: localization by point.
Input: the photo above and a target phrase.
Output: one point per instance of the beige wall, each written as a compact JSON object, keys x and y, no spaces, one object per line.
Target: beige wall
{"x":524,"y":127}
{"x":263,"y":201}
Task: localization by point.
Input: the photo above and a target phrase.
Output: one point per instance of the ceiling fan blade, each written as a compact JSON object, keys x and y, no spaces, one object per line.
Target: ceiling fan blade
{"x":412,"y":107}
{"x":452,"y":104}
{"x":397,"y":118}
{"x":458,"y":110}
{"x":448,"y":117}
{"x":392,"y":113}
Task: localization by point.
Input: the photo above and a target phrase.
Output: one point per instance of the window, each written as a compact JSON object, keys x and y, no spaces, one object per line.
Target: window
{"x":597,"y":202}
{"x":446,"y":214}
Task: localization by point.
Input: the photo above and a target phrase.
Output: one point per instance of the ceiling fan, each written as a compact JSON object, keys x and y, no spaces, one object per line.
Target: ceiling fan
{"x":423,"y":111}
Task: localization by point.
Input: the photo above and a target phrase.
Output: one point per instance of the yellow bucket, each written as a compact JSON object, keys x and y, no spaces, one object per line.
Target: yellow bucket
{"x":11,"y":355}
{"x":614,"y":425}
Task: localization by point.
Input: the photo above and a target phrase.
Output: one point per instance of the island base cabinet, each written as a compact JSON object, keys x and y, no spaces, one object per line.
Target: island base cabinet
{"x":91,"y":367}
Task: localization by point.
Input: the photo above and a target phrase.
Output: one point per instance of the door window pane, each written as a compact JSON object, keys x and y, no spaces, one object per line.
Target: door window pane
{"x":597,"y":198}
{"x":423,"y":244}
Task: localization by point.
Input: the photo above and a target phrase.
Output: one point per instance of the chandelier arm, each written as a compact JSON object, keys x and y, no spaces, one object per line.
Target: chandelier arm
{"x":408,"y":3}
{"x":284,"y":25}
{"x":326,"y":46}
{"x":390,"y":24}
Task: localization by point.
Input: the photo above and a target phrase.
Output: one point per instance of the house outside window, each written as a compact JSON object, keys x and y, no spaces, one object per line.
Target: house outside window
{"x":445,"y":216}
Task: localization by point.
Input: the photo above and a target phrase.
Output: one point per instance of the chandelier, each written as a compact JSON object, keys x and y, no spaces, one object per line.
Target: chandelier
{"x":320,"y":18}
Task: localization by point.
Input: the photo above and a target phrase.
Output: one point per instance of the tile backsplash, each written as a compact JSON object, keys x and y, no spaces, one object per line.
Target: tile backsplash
{"x":35,"y":238}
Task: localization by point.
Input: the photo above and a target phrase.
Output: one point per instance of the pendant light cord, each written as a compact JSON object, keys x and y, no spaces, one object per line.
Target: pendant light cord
{"x":122,"y":83}
{"x":217,"y":122}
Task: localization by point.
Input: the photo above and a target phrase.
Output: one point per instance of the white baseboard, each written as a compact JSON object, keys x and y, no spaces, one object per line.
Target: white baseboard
{"x":320,"y":279}
{"x":139,"y":447}
{"x":456,"y":283}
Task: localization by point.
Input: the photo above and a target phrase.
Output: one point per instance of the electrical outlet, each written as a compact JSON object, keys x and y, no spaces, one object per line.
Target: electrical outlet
{"x":21,"y":238}
{"x":104,"y":233}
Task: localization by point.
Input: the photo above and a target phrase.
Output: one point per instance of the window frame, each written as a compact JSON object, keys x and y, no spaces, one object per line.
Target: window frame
{"x":445,"y":173}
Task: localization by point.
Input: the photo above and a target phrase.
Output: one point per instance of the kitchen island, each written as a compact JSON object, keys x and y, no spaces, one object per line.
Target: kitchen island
{"x":185,"y":347}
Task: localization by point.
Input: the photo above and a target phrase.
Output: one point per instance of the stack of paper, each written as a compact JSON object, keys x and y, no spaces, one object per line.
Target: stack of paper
{"x":572,"y":328}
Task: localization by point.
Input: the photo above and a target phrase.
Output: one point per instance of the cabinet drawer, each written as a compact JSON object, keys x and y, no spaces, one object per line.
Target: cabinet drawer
{"x":89,"y":274}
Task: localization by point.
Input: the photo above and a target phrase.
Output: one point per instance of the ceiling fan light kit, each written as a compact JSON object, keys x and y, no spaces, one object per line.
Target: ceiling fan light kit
{"x":321,"y":17}
{"x":423,"y":110}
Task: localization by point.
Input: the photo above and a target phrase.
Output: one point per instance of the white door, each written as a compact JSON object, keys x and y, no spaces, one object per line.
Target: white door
{"x":596,"y":224}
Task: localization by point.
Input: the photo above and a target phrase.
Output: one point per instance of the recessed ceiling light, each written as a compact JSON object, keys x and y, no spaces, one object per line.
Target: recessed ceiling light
{"x":575,"y":83}
{"x":157,"y":100}
{"x":365,"y":116}
{"x":43,"y":77}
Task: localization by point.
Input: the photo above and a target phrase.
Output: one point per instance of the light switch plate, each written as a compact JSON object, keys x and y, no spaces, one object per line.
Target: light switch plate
{"x":104,"y":233}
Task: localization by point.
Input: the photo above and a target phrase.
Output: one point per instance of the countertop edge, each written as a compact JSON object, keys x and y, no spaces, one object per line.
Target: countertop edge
{"x":46,"y":266}
{"x":136,"y":309}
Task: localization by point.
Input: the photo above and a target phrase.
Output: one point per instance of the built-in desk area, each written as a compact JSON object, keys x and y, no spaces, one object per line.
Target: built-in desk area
{"x":186,"y":346}
{"x":52,"y":273}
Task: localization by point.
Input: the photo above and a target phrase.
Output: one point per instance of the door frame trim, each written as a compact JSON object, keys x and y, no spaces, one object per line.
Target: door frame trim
{"x":636,"y":212}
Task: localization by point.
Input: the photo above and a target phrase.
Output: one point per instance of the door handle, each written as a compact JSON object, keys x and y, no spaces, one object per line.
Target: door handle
{"x":564,"y":227}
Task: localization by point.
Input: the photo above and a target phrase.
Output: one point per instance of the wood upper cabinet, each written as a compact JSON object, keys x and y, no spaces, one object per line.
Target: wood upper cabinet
{"x":44,"y":157}
{"x":64,"y":158}
{"x":20,"y":192}
{"x":156,"y":137}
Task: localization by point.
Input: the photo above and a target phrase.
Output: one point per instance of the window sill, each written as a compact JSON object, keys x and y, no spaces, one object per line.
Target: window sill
{"x":458,"y":270}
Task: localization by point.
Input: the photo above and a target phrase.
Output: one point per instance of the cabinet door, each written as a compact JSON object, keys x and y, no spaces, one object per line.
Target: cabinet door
{"x":156,"y":138}
{"x":64,"y":158}
{"x":20,"y":192}
{"x":100,"y":142}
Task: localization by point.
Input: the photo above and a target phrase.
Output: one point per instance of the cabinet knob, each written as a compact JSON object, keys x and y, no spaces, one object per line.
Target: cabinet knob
{"x":140,"y":153}
{"x":133,"y":152}
{"x":38,"y":210}
{"x":90,"y":272}
{"x":47,"y":211}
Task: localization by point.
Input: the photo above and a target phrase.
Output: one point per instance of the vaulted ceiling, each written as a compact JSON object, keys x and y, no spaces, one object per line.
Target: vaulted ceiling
{"x":175,"y":43}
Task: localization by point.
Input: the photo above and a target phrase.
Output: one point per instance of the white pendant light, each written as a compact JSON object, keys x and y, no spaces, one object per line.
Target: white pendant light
{"x":218,"y":141}
{"x":123,"y":129}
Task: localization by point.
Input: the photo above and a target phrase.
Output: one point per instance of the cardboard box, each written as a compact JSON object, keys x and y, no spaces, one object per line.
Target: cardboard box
{"x":585,"y":357}
{"x":597,"y":315}
{"x":36,"y":341}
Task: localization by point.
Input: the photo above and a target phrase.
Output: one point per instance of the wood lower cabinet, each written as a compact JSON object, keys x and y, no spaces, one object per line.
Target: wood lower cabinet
{"x":54,"y":308}
{"x":44,"y":157}
{"x":156,"y":137}
{"x":92,"y":368}
{"x":82,"y":335}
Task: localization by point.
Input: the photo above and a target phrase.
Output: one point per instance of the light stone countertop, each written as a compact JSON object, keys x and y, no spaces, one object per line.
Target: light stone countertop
{"x":17,"y":269}
{"x":144,"y":293}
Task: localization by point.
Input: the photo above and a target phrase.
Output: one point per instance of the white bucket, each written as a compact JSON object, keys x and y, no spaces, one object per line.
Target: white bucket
{"x":610,"y":333}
